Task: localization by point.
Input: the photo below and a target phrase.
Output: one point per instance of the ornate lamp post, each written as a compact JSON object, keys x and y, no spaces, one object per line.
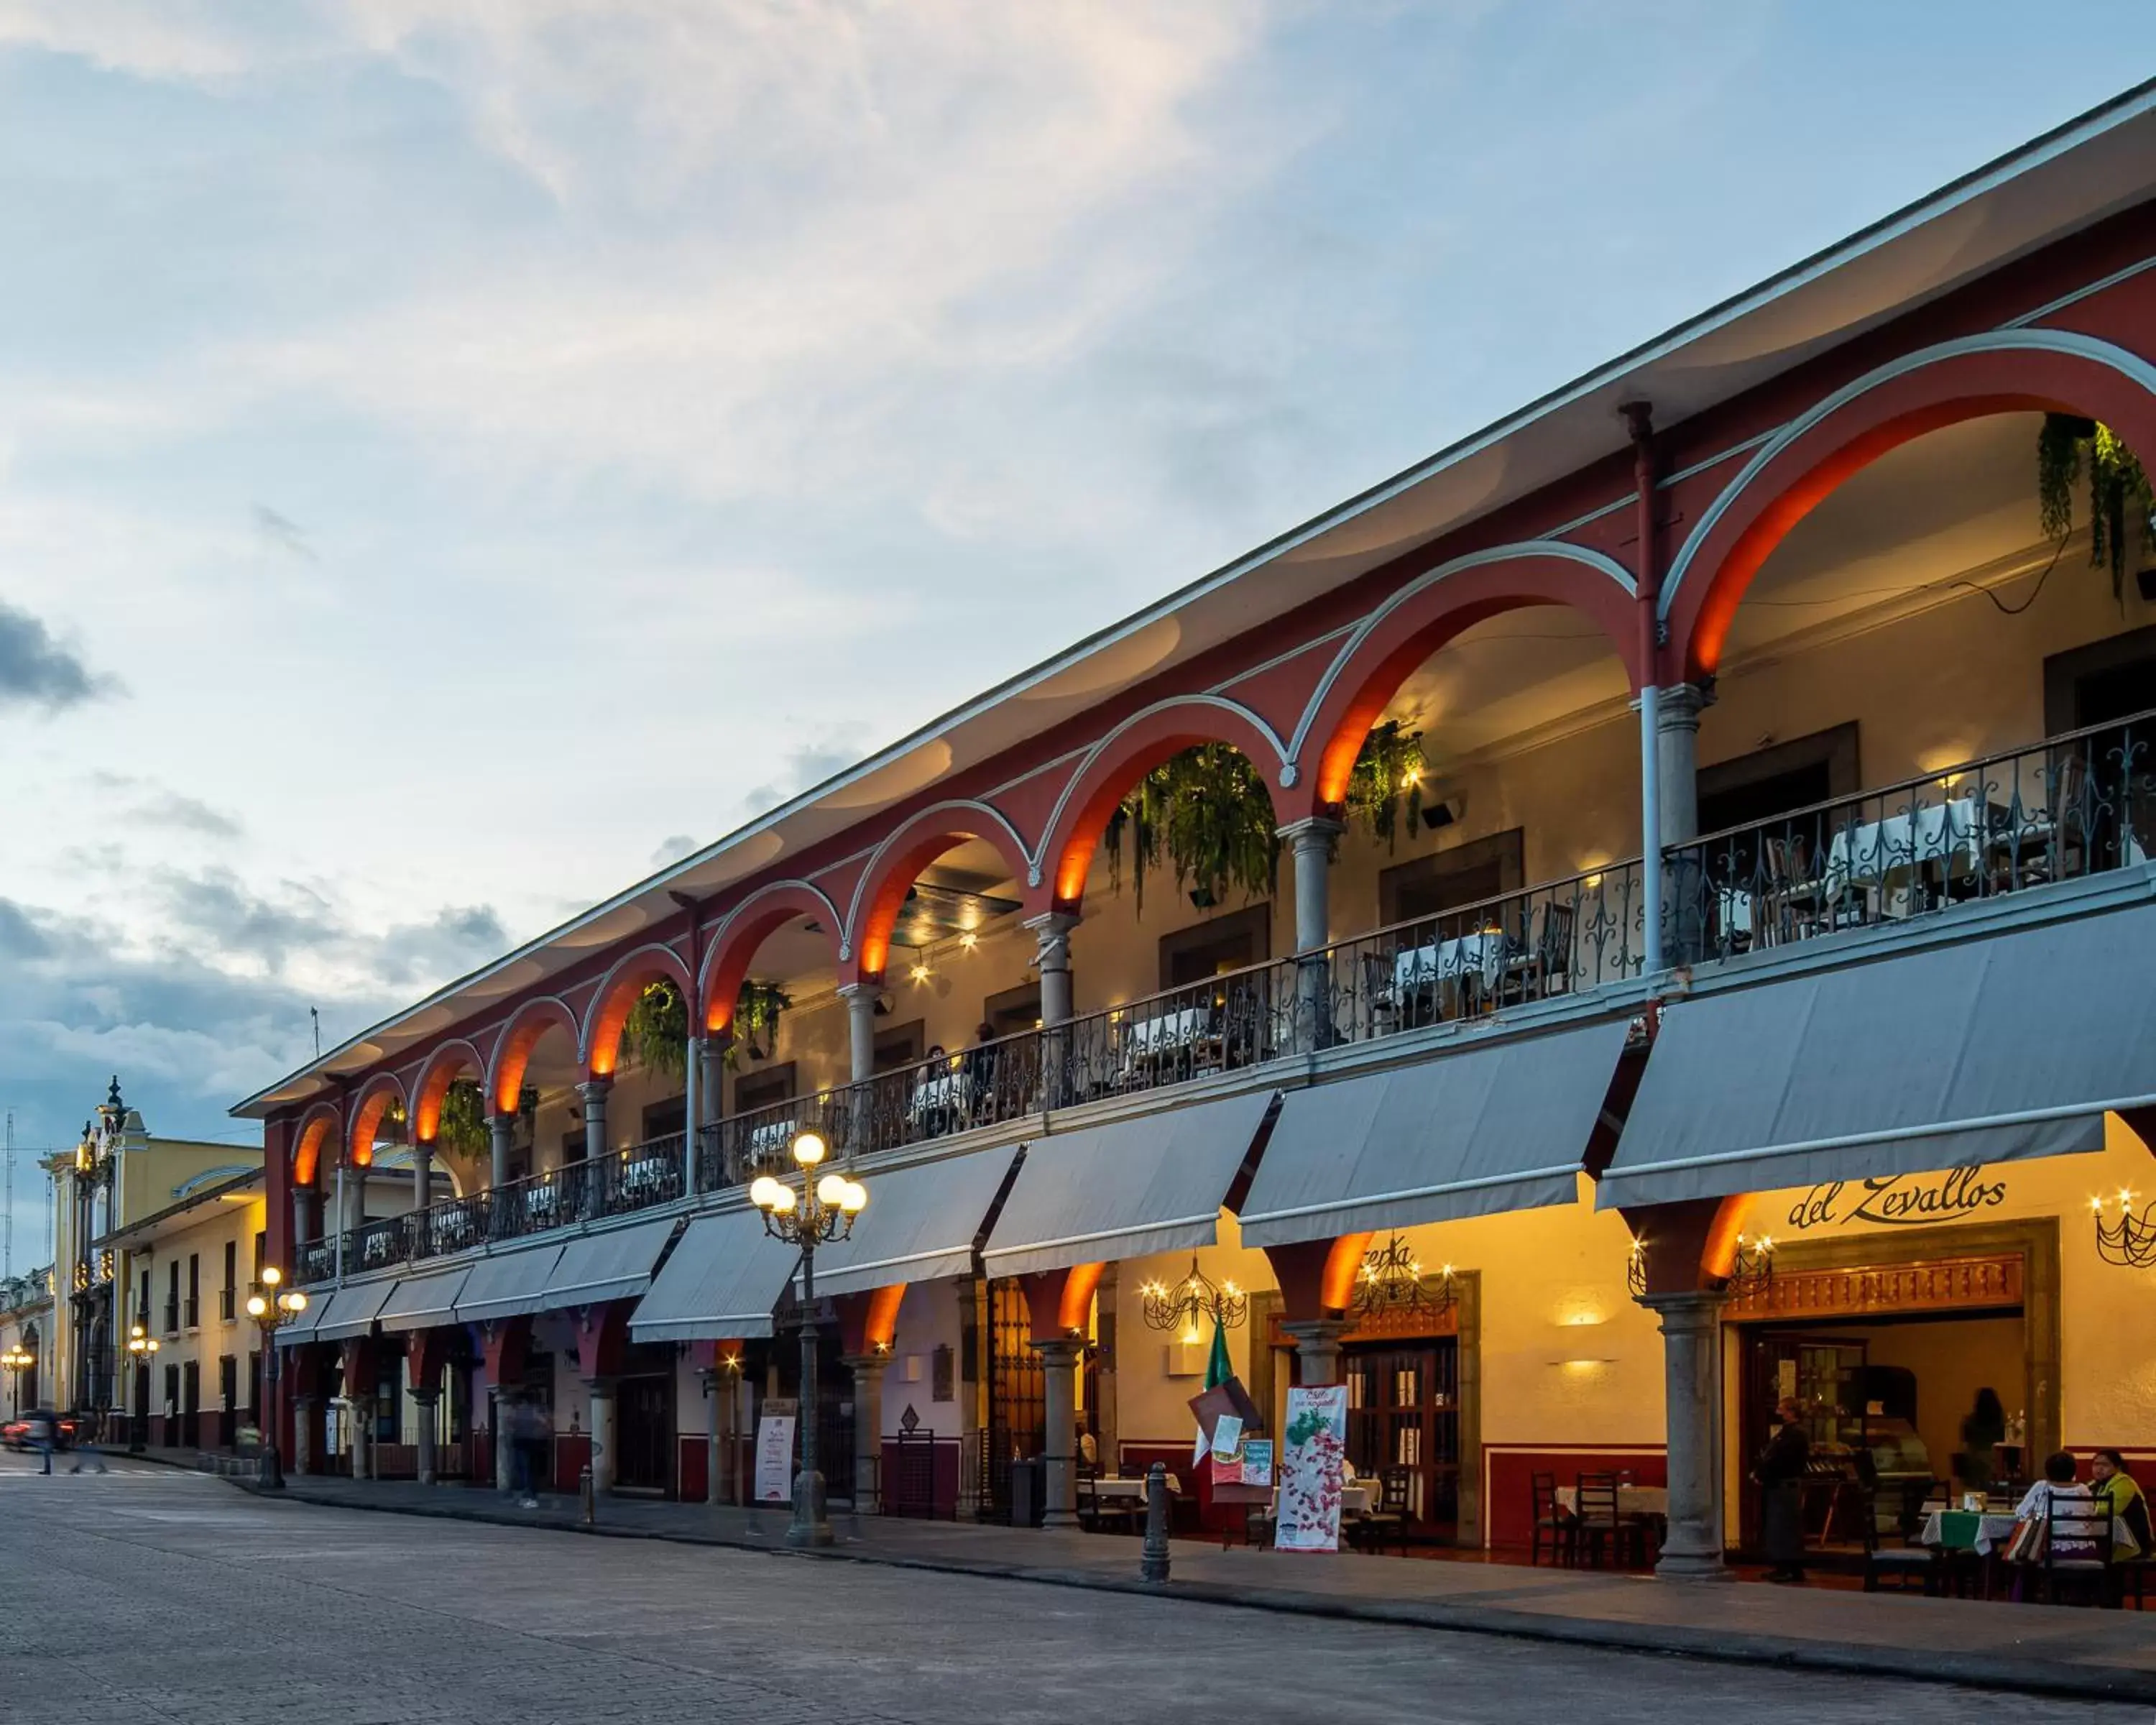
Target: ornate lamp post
{"x":824,"y":1211}
{"x":272,"y":1307}
{"x":142,"y":1349}
{"x":18,"y":1360}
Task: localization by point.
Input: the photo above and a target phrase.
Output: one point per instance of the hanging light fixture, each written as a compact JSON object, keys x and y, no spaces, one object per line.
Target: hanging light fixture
{"x":1635,"y":1269}
{"x":1751,"y":1271}
{"x":1195,"y":1301}
{"x":2129,"y":1242}
{"x":1391,"y":1280}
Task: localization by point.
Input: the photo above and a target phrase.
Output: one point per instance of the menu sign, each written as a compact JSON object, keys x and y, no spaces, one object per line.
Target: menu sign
{"x":1312,"y":1466}
{"x":774,"y":1459}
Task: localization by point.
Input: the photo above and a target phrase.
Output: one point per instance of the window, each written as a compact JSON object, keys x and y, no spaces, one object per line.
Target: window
{"x":227,"y":1383}
{"x":261,"y":1254}
{"x":142,"y":1305}
{"x":1230,"y":942}
{"x":1015,"y":1011}
{"x":1451,"y":879}
{"x":228,"y":1296}
{"x":574,"y":1147}
{"x":1778,"y":780}
{"x":190,"y":1389}
{"x":763,"y":1090}
{"x":901,"y":1045}
{"x":254,"y":1383}
{"x":194,"y":1290}
{"x":172,"y":1302}
{"x":663,"y":1119}
{"x":172,"y":1391}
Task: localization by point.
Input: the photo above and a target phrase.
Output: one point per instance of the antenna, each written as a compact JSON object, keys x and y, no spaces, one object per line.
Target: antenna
{"x":7,"y":1227}
{"x":314,"y":1012}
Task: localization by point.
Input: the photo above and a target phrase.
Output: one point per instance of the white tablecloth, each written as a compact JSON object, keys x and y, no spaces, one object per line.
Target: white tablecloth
{"x":771,"y":1137}
{"x":1169,"y":1030}
{"x":1354,"y":1500}
{"x":1446,"y":961}
{"x":950,"y":1093}
{"x":1990,"y":1530}
{"x":1631,"y":1499}
{"x":1891,"y":851}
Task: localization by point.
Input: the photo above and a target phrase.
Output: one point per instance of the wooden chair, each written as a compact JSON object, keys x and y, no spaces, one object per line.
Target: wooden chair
{"x":2076,"y":1548}
{"x":1104,"y":1515}
{"x":1599,"y":1528}
{"x":1386,"y":1521}
{"x":1550,"y":1521}
{"x":1897,"y":1560}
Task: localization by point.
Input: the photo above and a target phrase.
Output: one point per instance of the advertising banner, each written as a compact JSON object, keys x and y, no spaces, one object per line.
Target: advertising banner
{"x":1313,"y":1453}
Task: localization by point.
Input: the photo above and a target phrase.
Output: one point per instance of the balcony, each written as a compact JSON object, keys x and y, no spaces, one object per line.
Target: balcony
{"x":2072,"y":806}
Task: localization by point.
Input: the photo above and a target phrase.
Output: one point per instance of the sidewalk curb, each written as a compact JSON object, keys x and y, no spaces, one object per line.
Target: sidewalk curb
{"x":2032,"y":1677}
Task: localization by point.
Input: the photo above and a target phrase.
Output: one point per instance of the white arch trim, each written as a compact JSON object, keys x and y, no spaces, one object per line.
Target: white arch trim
{"x":716,"y":943}
{"x":2065,"y":342}
{"x":1601,"y":563}
{"x":606,"y":988}
{"x":502,"y":1037}
{"x":849,"y":935}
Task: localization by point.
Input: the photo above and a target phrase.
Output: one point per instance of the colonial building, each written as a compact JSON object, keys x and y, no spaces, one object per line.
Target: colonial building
{"x":1712,"y":805}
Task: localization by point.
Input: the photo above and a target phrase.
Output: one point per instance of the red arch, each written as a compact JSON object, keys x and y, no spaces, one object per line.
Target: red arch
{"x":512,"y":1048}
{"x":375,"y":1096}
{"x":2007,"y":372}
{"x":618,"y":995}
{"x":1400,"y":635}
{"x":900,"y":858}
{"x":1124,"y":757}
{"x":320,"y":1124}
{"x":746,"y":926}
{"x":442,"y":1068}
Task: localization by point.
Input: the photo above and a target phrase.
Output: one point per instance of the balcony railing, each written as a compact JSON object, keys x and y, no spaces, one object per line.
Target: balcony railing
{"x":2073,"y":806}
{"x":618,"y":1184}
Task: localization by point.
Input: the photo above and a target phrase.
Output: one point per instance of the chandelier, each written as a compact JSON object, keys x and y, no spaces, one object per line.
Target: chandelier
{"x":2129,"y":1242}
{"x":1391,"y":1282}
{"x":1751,"y":1271}
{"x":1195,"y":1301}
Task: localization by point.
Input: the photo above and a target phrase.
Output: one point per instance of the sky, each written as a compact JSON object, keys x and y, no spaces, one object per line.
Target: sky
{"x":455,"y":458}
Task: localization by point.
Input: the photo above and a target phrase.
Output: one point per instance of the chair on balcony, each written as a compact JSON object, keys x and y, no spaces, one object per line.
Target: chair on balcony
{"x":1543,"y":968}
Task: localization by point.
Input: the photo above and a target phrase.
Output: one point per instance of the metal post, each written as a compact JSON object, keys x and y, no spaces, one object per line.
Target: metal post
{"x":810,"y":1525}
{"x":588,"y":1496}
{"x":1153,"y":1560}
{"x":272,"y":1473}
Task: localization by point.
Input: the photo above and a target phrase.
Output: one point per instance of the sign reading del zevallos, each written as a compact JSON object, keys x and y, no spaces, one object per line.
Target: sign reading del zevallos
{"x":1898,"y":1200}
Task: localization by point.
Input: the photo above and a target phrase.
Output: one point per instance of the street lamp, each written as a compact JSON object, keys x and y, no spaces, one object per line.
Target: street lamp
{"x":142,"y":1347}
{"x":272,"y":1307}
{"x":823,"y":1210}
{"x":18,"y":1360}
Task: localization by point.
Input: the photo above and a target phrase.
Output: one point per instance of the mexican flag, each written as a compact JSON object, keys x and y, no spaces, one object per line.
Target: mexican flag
{"x":1218,"y":1371}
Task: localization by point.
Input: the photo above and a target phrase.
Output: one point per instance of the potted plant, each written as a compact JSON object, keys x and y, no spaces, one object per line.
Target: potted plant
{"x":2121,"y":507}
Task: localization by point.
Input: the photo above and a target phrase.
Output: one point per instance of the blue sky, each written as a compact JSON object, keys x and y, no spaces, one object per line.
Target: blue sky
{"x":452,"y":457}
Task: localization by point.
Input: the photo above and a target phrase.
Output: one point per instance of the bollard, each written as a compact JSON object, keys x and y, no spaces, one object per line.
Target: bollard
{"x":1152,"y":1561}
{"x":586,"y":1496}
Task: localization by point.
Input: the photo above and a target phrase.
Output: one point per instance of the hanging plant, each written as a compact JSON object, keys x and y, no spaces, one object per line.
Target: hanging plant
{"x":2121,"y":507}
{"x":461,"y":1128}
{"x":1388,"y":772}
{"x":655,"y":1033}
{"x":1207,"y":811}
{"x":757,"y":1009}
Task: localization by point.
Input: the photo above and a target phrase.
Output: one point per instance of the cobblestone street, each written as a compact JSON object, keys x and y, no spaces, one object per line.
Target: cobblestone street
{"x":151,"y":1593}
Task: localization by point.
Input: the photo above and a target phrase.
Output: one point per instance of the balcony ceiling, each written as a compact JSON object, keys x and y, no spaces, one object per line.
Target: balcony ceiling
{"x":2056,"y":186}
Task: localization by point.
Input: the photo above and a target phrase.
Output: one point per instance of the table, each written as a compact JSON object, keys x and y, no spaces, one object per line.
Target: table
{"x":1631,"y":1499}
{"x":1354,"y":1500}
{"x":950,"y":1096}
{"x":1168,"y":1031}
{"x":1965,"y":1530}
{"x":1481,"y":954}
{"x":774,"y":1138}
{"x":1890,"y":852}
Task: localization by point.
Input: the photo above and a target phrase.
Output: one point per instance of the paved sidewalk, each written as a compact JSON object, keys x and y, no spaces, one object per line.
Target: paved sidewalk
{"x":2046,"y":1649}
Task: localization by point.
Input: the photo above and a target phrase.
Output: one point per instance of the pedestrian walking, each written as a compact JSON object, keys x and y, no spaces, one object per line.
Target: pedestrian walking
{"x":88,"y":1446}
{"x":45,"y":1435}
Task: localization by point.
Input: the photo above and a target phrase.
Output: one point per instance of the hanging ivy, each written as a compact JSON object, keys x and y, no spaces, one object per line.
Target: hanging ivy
{"x":461,"y":1127}
{"x":656,"y":1034}
{"x":757,"y":1009}
{"x":1387,"y":773}
{"x":2121,"y":507}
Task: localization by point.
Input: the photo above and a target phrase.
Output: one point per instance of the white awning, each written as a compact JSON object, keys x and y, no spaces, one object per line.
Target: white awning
{"x":613,"y":1266}
{"x":722,"y":1281}
{"x":921,"y":1224}
{"x":301,"y":1329}
{"x":1501,"y":1127}
{"x":1997,"y":1049}
{"x":420,"y":1303}
{"x":509,"y":1286}
{"x":1154,"y":1184}
{"x":353,"y":1310}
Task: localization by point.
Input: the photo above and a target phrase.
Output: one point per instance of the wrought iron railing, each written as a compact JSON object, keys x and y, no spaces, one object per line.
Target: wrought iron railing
{"x":2075,"y":805}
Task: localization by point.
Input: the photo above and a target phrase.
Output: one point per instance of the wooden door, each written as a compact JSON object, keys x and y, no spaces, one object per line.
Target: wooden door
{"x":1403,"y":1411}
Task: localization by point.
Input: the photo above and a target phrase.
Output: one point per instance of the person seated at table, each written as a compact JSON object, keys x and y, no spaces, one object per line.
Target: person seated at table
{"x":2110,"y":1485}
{"x":2060,"y":1483}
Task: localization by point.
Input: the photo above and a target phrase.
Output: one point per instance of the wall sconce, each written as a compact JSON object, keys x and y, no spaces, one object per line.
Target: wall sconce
{"x":1440,"y":812}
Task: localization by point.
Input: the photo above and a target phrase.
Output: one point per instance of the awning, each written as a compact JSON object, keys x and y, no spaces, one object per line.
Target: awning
{"x":1989,"y":1050}
{"x":1501,"y":1126}
{"x":921,"y":1224}
{"x":420,"y":1303}
{"x":509,"y":1286}
{"x":1153,"y":1183}
{"x":613,"y":1266}
{"x":301,"y":1329}
{"x":353,"y":1310}
{"x":722,"y":1281}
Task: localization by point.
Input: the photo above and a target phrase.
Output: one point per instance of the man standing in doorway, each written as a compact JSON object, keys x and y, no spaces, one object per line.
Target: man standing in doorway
{"x":1780,"y":1472}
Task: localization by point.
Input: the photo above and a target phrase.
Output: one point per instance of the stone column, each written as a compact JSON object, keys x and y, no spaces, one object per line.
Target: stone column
{"x":306,"y":1214}
{"x":505,"y":1459}
{"x":1059,"y":1364}
{"x":1316,"y":1347}
{"x":423,"y":1175}
{"x":424,"y":1401}
{"x":1311,"y":841}
{"x":593,"y":1093}
{"x":1691,"y":1356}
{"x":710,"y":1055}
{"x":361,"y":1412}
{"x":718,"y":1386}
{"x":303,"y":1434}
{"x":502,"y":1133}
{"x":1677,"y":817}
{"x":861,"y":998}
{"x":868,"y":1370}
{"x":602,"y":1395}
{"x":1051,"y":956}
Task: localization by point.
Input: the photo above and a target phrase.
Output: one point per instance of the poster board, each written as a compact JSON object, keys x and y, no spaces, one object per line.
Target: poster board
{"x":1313,"y":1454}
{"x":775,"y":1458}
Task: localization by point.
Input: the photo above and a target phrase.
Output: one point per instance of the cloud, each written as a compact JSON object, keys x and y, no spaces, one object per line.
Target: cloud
{"x":805,"y":765}
{"x":671,"y":849}
{"x":147,"y":803}
{"x":282,"y":535}
{"x":215,"y":907}
{"x":36,"y":670}
{"x":455,"y":940}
